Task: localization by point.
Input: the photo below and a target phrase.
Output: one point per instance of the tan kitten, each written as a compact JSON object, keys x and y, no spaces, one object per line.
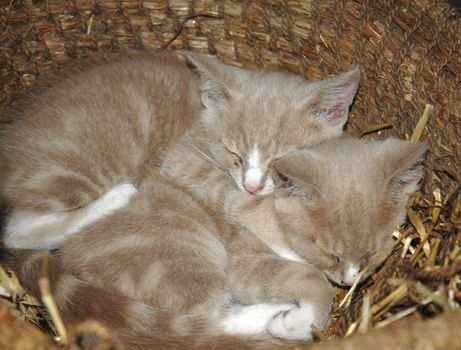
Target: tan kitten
{"x":178,"y":273}
{"x":251,"y":118}
{"x":78,"y":149}
{"x":347,"y":196}
{"x":336,"y":207}
{"x":79,"y":142}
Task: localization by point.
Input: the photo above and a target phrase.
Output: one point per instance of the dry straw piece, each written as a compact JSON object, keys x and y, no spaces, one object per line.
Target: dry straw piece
{"x":409,"y":55}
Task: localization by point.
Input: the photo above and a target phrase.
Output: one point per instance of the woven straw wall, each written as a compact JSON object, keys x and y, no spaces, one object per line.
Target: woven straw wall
{"x":408,"y":51}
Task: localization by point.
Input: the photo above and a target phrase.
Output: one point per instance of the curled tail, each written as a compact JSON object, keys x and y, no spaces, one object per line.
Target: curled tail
{"x":136,"y":325}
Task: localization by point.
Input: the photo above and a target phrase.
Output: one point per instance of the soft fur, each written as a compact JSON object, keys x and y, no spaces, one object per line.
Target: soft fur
{"x":98,"y":128}
{"x":177,"y":270}
{"x":154,"y":241}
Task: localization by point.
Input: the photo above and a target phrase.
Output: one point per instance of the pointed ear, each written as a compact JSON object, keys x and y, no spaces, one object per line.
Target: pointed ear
{"x":292,"y":177}
{"x":215,"y":78}
{"x":403,"y":164}
{"x":330,"y":103}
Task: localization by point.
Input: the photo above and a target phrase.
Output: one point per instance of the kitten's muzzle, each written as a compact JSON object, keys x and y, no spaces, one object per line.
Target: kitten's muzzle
{"x":351,"y":271}
{"x":253,"y":180}
{"x":253,"y":189}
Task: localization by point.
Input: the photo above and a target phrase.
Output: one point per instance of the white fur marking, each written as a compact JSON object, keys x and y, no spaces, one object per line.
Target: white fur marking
{"x":251,"y":319}
{"x":294,"y":324}
{"x":289,"y":255}
{"x":22,"y":226}
{"x":351,"y":273}
{"x":254,"y":160}
{"x":254,"y":173}
{"x":114,"y":199}
{"x":283,"y":252}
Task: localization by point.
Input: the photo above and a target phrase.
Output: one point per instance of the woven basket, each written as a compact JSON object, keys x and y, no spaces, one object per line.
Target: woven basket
{"x":408,"y":51}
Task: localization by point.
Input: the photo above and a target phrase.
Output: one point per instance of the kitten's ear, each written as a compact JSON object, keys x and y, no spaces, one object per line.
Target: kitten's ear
{"x":330,"y":102}
{"x":403,"y":165}
{"x":215,"y":78}
{"x":292,"y":177}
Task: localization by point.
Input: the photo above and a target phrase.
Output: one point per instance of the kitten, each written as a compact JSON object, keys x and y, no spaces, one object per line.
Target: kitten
{"x":78,"y":149}
{"x":251,"y":118}
{"x":336,"y":207}
{"x":181,"y":277}
{"x":79,"y":142}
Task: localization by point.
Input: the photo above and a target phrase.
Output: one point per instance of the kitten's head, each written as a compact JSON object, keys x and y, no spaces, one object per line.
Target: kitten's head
{"x":339,"y":202}
{"x":251,"y":118}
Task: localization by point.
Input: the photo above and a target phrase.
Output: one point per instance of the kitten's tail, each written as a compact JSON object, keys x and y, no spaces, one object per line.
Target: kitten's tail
{"x":136,"y":325}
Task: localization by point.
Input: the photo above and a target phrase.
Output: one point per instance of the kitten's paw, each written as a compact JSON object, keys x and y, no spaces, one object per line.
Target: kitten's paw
{"x":117,"y":197}
{"x":251,"y":319}
{"x":294,"y":324}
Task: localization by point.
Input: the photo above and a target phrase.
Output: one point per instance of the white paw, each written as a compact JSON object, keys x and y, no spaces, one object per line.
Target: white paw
{"x":294,"y":324}
{"x":117,"y":197}
{"x":251,"y":319}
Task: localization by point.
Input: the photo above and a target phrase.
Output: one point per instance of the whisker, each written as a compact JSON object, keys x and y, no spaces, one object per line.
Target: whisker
{"x":198,"y":139}
{"x":209,"y":159}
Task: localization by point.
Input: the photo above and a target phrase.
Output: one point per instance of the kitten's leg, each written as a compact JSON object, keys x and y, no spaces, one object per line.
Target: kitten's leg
{"x":27,"y":229}
{"x":267,"y":278}
{"x":256,"y":215}
{"x":161,"y":250}
{"x":252,"y":319}
{"x":294,"y":324}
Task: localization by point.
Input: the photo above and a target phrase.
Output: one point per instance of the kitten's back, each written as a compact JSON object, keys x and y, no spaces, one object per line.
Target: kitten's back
{"x":78,"y":143}
{"x":91,"y":127}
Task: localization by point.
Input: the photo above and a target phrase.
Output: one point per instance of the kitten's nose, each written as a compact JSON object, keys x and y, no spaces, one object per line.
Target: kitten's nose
{"x":253,"y":180}
{"x":253,"y":189}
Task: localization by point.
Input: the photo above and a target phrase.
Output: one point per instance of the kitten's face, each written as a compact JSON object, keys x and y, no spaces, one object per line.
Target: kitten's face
{"x":339,"y":204}
{"x":252,"y":118}
{"x":340,"y":235}
{"x":253,"y":130}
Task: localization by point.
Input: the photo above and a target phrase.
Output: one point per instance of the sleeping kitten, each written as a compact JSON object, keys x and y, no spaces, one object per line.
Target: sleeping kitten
{"x":78,"y":143}
{"x":168,"y":271}
{"x":250,"y":119}
{"x":336,"y":207}
{"x":325,"y":192}
{"x":78,"y":149}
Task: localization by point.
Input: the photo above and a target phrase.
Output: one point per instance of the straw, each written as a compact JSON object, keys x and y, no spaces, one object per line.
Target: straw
{"x":48,"y":301}
{"x":421,"y":123}
{"x":316,"y":40}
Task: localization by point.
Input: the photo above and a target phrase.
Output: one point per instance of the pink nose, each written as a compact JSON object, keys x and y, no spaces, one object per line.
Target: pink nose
{"x":253,"y":189}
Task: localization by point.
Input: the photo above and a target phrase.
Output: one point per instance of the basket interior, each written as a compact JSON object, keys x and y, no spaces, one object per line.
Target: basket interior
{"x":408,"y":52}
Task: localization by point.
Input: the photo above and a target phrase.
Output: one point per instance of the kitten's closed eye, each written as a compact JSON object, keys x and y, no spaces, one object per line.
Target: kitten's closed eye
{"x":335,"y":259}
{"x":235,"y":157}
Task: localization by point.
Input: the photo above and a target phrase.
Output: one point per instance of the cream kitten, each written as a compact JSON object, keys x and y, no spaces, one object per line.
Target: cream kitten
{"x":251,"y":118}
{"x":79,"y":142}
{"x":336,"y":207}
{"x":78,"y":148}
{"x":167,"y":271}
